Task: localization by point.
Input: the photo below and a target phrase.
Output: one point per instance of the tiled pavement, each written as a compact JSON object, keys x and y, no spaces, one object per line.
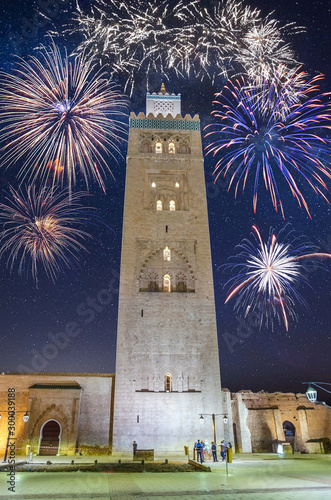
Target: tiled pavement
{"x":250,"y":477}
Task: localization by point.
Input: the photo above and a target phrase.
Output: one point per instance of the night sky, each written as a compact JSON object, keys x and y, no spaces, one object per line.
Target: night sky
{"x":270,"y":360}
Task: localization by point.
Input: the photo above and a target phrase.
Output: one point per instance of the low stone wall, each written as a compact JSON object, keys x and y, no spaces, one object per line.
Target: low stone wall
{"x":132,"y":467}
{"x":147,"y":455}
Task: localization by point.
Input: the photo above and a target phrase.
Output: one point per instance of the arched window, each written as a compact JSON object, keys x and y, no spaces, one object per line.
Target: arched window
{"x":181,"y":285}
{"x":167,"y":382}
{"x":172,"y":206}
{"x":171,"y":148}
{"x":153,"y":285}
{"x":184,"y":149}
{"x":159,"y":205}
{"x":158,"y":147}
{"x":167,"y":254}
{"x":166,"y":283}
{"x":145,"y":148}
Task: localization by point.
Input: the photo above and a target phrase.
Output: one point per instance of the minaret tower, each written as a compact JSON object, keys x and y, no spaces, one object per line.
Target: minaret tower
{"x":167,"y":365}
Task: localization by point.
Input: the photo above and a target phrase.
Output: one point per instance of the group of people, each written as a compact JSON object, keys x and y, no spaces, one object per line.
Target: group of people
{"x":201,"y":448}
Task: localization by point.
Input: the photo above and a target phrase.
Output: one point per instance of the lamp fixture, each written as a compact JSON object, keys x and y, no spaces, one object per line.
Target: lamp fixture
{"x":311,"y":394}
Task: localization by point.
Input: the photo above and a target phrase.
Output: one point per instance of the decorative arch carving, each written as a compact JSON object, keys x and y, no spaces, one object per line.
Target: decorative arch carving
{"x":149,"y":380}
{"x":181,"y":282}
{"x":144,"y":379}
{"x":164,"y":186}
{"x":192,"y":379}
{"x":184,"y":148}
{"x":166,"y":195}
{"x":171,"y":143}
{"x":179,"y":269}
{"x":146,"y":147}
{"x":52,"y":412}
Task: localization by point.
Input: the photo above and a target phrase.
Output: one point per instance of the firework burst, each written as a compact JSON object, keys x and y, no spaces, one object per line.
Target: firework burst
{"x":59,"y":119}
{"x":133,"y":38}
{"x":273,"y":129}
{"x":208,"y":40}
{"x":39,"y":229}
{"x":145,"y":38}
{"x":231,"y":36}
{"x":268,"y":276}
{"x":263,"y":48}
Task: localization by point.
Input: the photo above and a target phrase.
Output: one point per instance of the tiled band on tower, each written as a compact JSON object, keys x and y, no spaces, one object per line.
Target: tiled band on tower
{"x":167,"y":367}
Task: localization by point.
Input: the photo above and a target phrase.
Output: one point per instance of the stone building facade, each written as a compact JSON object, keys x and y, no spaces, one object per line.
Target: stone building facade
{"x":68,"y":413}
{"x":77,"y":410}
{"x":167,"y":365}
{"x":263,"y":420}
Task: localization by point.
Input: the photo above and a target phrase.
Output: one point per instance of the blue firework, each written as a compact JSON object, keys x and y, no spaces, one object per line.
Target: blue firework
{"x":272,"y":129}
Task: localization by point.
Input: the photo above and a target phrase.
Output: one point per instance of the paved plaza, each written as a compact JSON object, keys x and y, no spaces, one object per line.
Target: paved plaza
{"x":266,"y":477}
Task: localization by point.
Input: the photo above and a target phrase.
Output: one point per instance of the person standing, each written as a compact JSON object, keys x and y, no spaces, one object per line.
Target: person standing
{"x":223,"y":450}
{"x":214,"y":451}
{"x":199,"y":449}
{"x":134,"y":447}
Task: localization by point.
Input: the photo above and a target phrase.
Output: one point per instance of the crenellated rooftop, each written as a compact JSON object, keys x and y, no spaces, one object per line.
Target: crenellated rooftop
{"x":162,"y":122}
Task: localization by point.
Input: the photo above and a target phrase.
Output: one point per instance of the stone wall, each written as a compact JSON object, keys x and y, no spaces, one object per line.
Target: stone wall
{"x":82,"y":405}
{"x":259,"y":420}
{"x":79,"y":403}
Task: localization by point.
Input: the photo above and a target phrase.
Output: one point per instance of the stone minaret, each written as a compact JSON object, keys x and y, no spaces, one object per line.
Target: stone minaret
{"x":167,"y":366}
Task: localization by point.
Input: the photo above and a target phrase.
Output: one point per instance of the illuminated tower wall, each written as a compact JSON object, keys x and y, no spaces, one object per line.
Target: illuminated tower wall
{"x":167,"y":366}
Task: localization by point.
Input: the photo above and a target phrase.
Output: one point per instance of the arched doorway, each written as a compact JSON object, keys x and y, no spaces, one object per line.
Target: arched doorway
{"x":50,"y":438}
{"x":289,"y":433}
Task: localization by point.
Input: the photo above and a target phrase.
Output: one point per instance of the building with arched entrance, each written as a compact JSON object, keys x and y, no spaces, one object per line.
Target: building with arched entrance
{"x":263,"y":420}
{"x":68,"y":413}
{"x":73,"y":413}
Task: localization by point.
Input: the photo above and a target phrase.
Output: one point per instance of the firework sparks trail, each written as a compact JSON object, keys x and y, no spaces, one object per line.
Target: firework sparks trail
{"x":264,"y":48}
{"x":208,"y":40}
{"x":133,"y":37}
{"x":59,"y":119}
{"x":39,"y":229}
{"x":275,"y":129}
{"x":268,"y":275}
{"x":146,"y":38}
{"x":231,"y":36}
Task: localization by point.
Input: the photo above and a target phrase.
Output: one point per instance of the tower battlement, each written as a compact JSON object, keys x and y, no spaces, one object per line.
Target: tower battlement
{"x":161,"y":122}
{"x":160,"y":116}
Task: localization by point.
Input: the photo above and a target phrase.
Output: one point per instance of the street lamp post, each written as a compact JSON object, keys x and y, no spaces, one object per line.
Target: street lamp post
{"x":225,"y":421}
{"x":213,"y":416}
